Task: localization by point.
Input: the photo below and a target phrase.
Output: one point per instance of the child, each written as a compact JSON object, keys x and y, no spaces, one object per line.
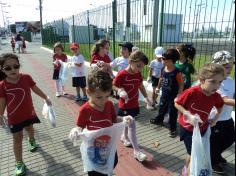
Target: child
{"x":171,"y":83}
{"x":78,"y":75}
{"x":99,"y":111}
{"x":200,"y":100}
{"x":223,"y":134}
{"x":13,"y":44}
{"x":58,"y":56}
{"x":15,"y":95}
{"x":23,"y":45}
{"x":156,"y":67}
{"x":123,"y":61}
{"x":184,"y":64}
{"x":127,"y":83}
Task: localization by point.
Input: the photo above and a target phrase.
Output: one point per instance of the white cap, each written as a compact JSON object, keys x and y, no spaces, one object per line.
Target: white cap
{"x":222,"y":57}
{"x":159,"y":51}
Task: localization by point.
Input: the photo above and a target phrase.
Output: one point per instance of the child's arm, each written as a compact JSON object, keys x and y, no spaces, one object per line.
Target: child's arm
{"x":228,"y":101}
{"x":2,"y":109}
{"x":150,"y":74}
{"x":180,"y":83}
{"x":144,"y":93}
{"x":159,"y":86}
{"x":40,"y":93}
{"x":217,"y":116}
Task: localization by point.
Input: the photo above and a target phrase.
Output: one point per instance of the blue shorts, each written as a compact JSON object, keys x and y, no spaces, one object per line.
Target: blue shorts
{"x":187,"y":137}
{"x":125,"y":112}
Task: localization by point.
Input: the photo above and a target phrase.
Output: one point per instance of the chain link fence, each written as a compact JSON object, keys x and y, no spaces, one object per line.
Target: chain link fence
{"x":207,"y":24}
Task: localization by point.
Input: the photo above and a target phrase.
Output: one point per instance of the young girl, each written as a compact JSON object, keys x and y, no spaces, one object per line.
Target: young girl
{"x":99,"y":111}
{"x":223,"y":134}
{"x":200,"y":100}
{"x":156,"y":67}
{"x":58,"y":56}
{"x":171,"y":83}
{"x":78,"y":74}
{"x":15,"y":95}
{"x":184,"y":64}
{"x":127,"y":83}
{"x":13,"y":44}
{"x":100,"y":52}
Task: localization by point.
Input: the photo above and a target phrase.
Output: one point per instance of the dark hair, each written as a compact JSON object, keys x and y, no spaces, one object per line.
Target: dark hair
{"x":99,"y":80}
{"x":137,"y":56}
{"x":99,"y":44}
{"x":188,"y":50}
{"x":3,"y":59}
{"x":210,"y":70}
{"x":58,"y":45}
{"x":171,"y":54}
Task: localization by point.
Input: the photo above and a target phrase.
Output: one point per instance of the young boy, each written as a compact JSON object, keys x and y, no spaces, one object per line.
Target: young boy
{"x":200,"y":100}
{"x":123,"y":61}
{"x":172,"y":84}
{"x":78,"y":75}
{"x":223,"y":134}
{"x":98,"y":112}
{"x":156,"y":67}
{"x":127,"y":83}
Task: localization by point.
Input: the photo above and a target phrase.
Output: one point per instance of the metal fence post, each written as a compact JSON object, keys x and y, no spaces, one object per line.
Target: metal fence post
{"x":63,"y":33}
{"x":114,"y":21}
{"x":89,"y":30}
{"x":160,"y":28}
{"x":73,"y":28}
{"x":155,"y":23}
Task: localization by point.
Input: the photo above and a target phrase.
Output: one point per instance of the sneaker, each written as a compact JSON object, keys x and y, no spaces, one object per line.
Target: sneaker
{"x":140,"y":156}
{"x":78,"y":98}
{"x":222,"y":160}
{"x":126,"y":142}
{"x":20,"y":169}
{"x":173,"y":134}
{"x":64,"y":93}
{"x":32,"y":146}
{"x":218,"y":169}
{"x":85,"y":98}
{"x":154,"y":121}
{"x":58,"y":94}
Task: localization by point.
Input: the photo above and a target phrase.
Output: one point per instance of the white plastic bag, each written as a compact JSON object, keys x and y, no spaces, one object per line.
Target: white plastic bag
{"x":200,"y":164}
{"x":99,"y":147}
{"x":63,"y":75}
{"x":49,"y":114}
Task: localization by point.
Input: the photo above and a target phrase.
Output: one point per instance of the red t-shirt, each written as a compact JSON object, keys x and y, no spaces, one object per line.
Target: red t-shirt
{"x":130,"y":83}
{"x":18,"y":99}
{"x":61,"y":57}
{"x":96,"y":58}
{"x":195,"y":101}
{"x":93,"y":119}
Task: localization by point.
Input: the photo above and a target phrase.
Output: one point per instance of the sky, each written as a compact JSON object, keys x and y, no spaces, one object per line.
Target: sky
{"x":27,"y":10}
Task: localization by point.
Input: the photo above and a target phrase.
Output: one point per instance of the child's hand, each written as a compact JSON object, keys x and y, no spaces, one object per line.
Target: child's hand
{"x":123,"y":94}
{"x":128,"y":120}
{"x":148,"y":101}
{"x":192,"y":119}
{"x":213,"y":122}
{"x":75,"y":134}
{"x":48,"y":101}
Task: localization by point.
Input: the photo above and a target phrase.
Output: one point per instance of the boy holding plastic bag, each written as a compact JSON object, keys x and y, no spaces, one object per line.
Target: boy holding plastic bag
{"x":97,"y":118}
{"x":195,"y":105}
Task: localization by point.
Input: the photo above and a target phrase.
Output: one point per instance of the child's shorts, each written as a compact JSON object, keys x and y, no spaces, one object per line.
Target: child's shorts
{"x":79,"y":82}
{"x":187,"y":137}
{"x":22,"y":125}
{"x":155,"y":81}
{"x":56,"y":74}
{"x":125,"y":112}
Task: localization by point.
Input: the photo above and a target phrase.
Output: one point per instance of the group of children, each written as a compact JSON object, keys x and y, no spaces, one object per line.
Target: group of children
{"x":170,"y":74}
{"x":19,"y":43}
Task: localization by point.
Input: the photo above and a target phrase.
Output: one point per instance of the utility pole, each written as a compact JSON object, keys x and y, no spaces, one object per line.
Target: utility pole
{"x":41,"y":15}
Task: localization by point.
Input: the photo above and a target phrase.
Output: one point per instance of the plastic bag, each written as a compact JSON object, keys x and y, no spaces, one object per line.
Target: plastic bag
{"x":49,"y":114}
{"x":98,"y":148}
{"x":200,"y":164}
{"x":63,"y":75}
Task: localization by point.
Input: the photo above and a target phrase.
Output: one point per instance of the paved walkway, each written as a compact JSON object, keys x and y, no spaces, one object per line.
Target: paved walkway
{"x":57,"y":156}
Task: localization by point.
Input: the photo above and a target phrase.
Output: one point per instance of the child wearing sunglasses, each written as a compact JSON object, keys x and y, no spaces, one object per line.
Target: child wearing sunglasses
{"x":171,"y":83}
{"x":15,"y":96}
{"x":78,"y":74}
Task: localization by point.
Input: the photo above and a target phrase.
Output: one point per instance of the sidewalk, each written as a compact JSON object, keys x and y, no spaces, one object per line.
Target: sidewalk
{"x":57,"y":156}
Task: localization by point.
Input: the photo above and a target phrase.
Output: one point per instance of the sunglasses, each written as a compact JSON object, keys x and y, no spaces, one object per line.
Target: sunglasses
{"x":9,"y":68}
{"x":73,"y":49}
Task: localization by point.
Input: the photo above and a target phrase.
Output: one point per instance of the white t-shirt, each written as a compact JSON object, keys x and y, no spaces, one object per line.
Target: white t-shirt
{"x":78,"y":71}
{"x":227,"y":89}
{"x":120,"y":62}
{"x":156,"y":68}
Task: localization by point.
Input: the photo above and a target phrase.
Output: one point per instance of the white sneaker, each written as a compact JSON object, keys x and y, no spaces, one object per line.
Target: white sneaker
{"x":126,"y":142}
{"x":58,"y":94}
{"x":140,"y":156}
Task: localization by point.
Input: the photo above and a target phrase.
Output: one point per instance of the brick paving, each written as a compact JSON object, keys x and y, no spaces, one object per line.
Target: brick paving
{"x":56,"y":155}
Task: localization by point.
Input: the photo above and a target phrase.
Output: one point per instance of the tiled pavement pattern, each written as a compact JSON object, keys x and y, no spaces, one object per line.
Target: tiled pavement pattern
{"x":57,"y":156}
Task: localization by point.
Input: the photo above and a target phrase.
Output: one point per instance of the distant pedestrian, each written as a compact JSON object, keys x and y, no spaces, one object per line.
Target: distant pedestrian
{"x":78,"y":72}
{"x":23,"y":45}
{"x":15,"y":96}
{"x":19,"y":43}
{"x":57,"y":57}
{"x":13,"y":44}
